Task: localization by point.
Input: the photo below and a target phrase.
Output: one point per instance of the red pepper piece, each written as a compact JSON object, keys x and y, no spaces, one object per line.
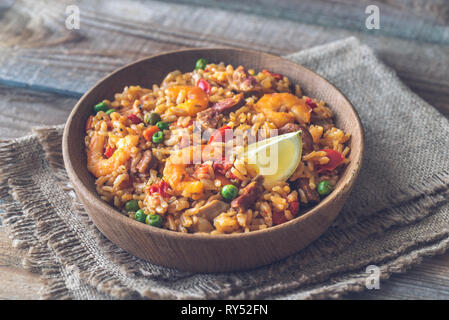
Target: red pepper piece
{"x":134,"y":119}
{"x":294,"y":207}
{"x":311,"y":104}
{"x":204,"y":85}
{"x":335,"y":159}
{"x":275,"y":75}
{"x":164,"y":189}
{"x":221,"y":168}
{"x":153,"y":189}
{"x":161,"y":188}
{"x":278,"y":217}
{"x":109,"y":151}
{"x":219,"y":135}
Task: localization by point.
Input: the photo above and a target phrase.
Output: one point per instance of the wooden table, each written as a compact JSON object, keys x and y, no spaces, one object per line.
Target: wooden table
{"x":44,"y":68}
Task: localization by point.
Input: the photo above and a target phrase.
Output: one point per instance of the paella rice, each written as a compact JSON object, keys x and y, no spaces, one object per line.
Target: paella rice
{"x":170,"y":156}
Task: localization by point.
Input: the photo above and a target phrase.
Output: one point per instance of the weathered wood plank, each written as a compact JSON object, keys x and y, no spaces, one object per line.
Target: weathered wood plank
{"x":21,"y":109}
{"x":15,"y":282}
{"x":428,"y":280}
{"x":36,"y":49}
{"x":420,"y":20}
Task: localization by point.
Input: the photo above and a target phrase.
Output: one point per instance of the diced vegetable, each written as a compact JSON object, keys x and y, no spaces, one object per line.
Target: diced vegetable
{"x":149,"y":132}
{"x":204,"y":85}
{"x":102,"y":106}
{"x":294,"y":207}
{"x":335,"y":159}
{"x":161,"y":188}
{"x":132,"y":205}
{"x":219,"y":135}
{"x":110,"y":111}
{"x":158,"y":137}
{"x":229,"y":192}
{"x":109,"y":151}
{"x":154,"y":220}
{"x":275,"y":75}
{"x":140,"y":216}
{"x":153,"y":118}
{"x":163,"y":125}
{"x":222,"y":166}
{"x":324,"y":187}
{"x":311,"y":104}
{"x":200,"y":64}
{"x":134,"y":119}
{"x":278,"y":217}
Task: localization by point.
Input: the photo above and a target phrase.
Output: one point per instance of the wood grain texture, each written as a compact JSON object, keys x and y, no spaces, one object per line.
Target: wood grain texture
{"x":22,"y":109}
{"x":420,"y":20}
{"x":198,"y":252}
{"x":36,"y":49}
{"x":428,"y":280}
{"x":15,"y":282}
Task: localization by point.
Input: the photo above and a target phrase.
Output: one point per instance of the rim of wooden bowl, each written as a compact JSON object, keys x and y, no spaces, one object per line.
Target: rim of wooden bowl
{"x":342,"y":185}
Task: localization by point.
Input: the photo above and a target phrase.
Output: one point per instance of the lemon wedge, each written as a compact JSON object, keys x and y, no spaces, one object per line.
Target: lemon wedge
{"x":275,"y":158}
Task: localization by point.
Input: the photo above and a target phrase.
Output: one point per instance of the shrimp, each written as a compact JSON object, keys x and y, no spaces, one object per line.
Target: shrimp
{"x":196,"y":100}
{"x":176,"y":175}
{"x":283,"y":108}
{"x":100,"y":166}
{"x":179,"y":172}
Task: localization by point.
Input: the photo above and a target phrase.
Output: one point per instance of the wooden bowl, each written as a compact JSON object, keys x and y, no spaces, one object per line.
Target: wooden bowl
{"x":196,"y":252}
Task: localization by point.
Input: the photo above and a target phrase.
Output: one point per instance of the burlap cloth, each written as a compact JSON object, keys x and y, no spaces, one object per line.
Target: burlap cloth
{"x":397,"y":213}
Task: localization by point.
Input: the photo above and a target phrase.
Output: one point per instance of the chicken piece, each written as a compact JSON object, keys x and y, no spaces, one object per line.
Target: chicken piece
{"x":242,"y":81}
{"x":212,"y":209}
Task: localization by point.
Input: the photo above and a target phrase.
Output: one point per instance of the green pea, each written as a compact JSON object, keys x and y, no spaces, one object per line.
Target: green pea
{"x":200,"y":64}
{"x":154,"y":220}
{"x":153,"y":118}
{"x":158,"y":137}
{"x":132,"y":205}
{"x":110,"y":111}
{"x":140,"y":216}
{"x":163,"y":125}
{"x":229,"y":191}
{"x":102,"y":106}
{"x":324,"y":187}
